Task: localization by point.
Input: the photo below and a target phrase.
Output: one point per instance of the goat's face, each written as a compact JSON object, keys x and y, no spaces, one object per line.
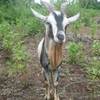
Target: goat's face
{"x":56,"y":22}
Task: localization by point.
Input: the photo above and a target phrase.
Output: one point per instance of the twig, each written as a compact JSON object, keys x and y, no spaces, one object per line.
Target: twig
{"x":76,"y":82}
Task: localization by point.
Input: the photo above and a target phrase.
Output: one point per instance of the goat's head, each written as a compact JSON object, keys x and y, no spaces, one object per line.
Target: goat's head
{"x":56,"y":22}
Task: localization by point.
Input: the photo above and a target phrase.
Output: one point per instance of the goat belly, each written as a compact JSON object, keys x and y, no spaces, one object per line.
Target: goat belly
{"x":43,"y":57}
{"x":40,"y":47}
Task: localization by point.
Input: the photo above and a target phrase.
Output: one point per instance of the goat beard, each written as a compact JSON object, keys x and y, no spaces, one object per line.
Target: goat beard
{"x":55,"y":55}
{"x":57,"y":44}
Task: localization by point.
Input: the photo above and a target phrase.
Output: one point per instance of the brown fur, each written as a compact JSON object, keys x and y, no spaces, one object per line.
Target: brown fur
{"x":55,"y":55}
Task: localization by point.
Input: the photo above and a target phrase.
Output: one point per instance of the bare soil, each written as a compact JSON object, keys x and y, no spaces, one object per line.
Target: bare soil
{"x":31,"y":85}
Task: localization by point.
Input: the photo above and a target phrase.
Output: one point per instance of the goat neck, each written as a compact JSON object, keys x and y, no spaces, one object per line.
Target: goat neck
{"x":55,"y":53}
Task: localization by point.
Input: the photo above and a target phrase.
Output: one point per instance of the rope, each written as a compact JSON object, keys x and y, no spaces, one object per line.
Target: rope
{"x":76,"y":82}
{"x":61,"y":71}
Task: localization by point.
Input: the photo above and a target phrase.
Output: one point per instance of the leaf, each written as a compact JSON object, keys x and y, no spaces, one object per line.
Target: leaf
{"x":11,"y":71}
{"x":20,"y":66}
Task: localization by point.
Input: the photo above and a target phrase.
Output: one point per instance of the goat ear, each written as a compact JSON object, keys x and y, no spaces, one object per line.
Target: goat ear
{"x":74,"y":18}
{"x":63,"y":7}
{"x":49,"y":6}
{"x":38,"y":15}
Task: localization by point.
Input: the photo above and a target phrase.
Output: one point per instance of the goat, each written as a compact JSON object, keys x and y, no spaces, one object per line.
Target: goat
{"x":50,"y":48}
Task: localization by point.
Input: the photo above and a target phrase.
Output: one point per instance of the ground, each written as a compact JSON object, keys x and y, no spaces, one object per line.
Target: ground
{"x":31,"y":86}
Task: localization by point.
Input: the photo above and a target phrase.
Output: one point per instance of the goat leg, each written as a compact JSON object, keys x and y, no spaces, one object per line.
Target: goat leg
{"x":56,"y":96}
{"x":55,"y":82}
{"x":47,"y":93}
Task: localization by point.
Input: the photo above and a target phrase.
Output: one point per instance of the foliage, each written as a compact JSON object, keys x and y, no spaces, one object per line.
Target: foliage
{"x":87,"y":15}
{"x":93,"y":70}
{"x":12,"y":44}
{"x":20,"y":15}
{"x":96,"y":48}
{"x":4,"y":29}
{"x":93,"y":28}
{"x":9,"y":41}
{"x":90,"y":4}
{"x":73,"y":9}
{"x":76,"y":26}
{"x":93,"y":73}
{"x":17,"y":59}
{"x":74,"y":51}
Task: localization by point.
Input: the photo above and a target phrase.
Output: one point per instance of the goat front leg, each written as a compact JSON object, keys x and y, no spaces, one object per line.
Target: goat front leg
{"x":55,"y":82}
{"x":47,"y":85}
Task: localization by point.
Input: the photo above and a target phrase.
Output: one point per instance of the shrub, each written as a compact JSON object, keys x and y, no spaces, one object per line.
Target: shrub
{"x":12,"y":44}
{"x":4,"y":29}
{"x":96,"y":48}
{"x":93,"y":73}
{"x":74,"y":51}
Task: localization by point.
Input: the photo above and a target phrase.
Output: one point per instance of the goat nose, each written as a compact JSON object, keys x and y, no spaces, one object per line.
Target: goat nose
{"x":60,"y":36}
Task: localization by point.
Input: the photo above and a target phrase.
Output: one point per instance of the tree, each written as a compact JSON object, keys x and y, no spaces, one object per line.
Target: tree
{"x":90,"y":4}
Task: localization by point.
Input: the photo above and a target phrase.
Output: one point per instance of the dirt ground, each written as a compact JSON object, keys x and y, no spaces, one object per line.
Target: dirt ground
{"x":31,"y":86}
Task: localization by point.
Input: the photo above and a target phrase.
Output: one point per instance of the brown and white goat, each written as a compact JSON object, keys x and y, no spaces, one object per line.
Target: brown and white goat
{"x":50,"y":49}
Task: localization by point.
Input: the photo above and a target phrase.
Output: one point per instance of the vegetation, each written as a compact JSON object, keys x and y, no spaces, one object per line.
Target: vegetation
{"x":75,"y":51}
{"x":12,"y":44}
{"x":96,"y":48}
{"x":17,"y":21}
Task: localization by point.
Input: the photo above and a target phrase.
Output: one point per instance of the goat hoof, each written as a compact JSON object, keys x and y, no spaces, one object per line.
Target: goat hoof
{"x":47,"y":97}
{"x":56,"y":97}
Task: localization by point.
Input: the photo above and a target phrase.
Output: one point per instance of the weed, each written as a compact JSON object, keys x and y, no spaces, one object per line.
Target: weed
{"x":96,"y":48}
{"x":76,"y":26}
{"x":93,"y":28}
{"x":12,"y":43}
{"x":74,"y":51}
{"x":64,"y":61}
{"x":93,"y":73}
{"x":18,"y":59}
{"x":8,"y":41}
{"x":4,"y":29}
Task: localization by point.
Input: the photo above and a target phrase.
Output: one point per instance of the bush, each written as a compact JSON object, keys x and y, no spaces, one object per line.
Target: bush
{"x":96,"y":48}
{"x":4,"y":29}
{"x":12,"y":45}
{"x":74,"y":51}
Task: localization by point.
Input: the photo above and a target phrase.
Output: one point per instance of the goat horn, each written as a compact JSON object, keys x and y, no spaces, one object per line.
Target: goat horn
{"x":74,"y":18}
{"x":38,"y":15}
{"x":49,"y":6}
{"x":63,"y":7}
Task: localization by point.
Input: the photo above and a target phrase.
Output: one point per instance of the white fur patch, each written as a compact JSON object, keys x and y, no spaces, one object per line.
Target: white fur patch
{"x":52,"y":21}
{"x":40,"y":47}
{"x":65,"y":22}
{"x":57,"y":12}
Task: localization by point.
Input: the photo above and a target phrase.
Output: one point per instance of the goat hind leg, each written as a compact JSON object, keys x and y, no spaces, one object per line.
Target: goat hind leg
{"x":47,"y":85}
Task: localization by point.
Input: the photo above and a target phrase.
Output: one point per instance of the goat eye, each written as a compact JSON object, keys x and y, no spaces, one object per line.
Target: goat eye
{"x":50,"y":32}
